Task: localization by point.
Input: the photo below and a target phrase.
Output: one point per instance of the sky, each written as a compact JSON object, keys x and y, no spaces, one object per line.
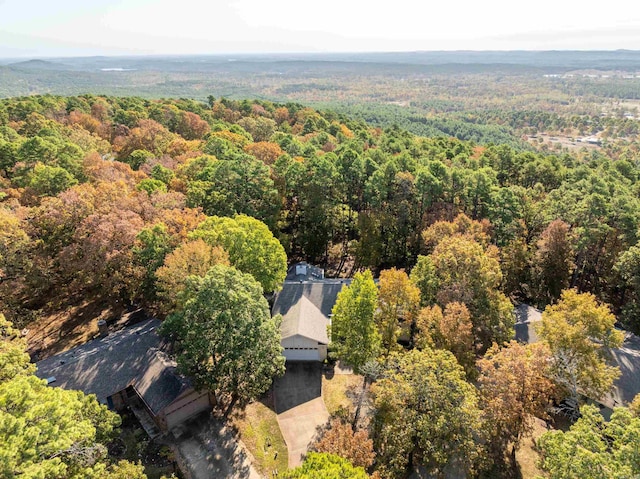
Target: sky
{"x":46,"y":28}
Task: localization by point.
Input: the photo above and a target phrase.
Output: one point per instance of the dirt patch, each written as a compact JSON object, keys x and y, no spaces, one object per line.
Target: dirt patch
{"x":571,"y":144}
{"x":528,"y":456}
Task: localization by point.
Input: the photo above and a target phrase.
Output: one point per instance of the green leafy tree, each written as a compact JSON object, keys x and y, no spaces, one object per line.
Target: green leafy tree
{"x":318,"y":198}
{"x":627,"y":268}
{"x":48,"y":180}
{"x":151,"y":247}
{"x":227,"y":340}
{"x":398,"y":301}
{"x":425,"y":414}
{"x":319,"y":465}
{"x":580,"y":332}
{"x":48,"y":432}
{"x":137,"y":158}
{"x":353,"y":328}
{"x":51,"y":432}
{"x":124,"y":470}
{"x":594,"y":448}
{"x":425,"y":278}
{"x":151,"y":186}
{"x":14,"y":361}
{"x":159,"y":172}
{"x":240,"y":184}
{"x":251,"y":246}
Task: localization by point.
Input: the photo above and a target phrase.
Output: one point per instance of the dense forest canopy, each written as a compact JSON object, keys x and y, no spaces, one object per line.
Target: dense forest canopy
{"x":194,"y":209}
{"x":97,"y":191}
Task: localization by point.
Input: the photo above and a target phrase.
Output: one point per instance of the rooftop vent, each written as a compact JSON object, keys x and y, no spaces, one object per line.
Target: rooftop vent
{"x":301,"y":269}
{"x":103,"y":329}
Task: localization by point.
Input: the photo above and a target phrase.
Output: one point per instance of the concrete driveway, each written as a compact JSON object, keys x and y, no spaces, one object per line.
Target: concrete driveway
{"x":208,"y":449}
{"x":299,"y":407}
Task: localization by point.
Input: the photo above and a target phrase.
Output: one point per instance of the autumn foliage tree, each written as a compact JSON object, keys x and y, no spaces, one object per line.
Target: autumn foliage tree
{"x":193,"y":258}
{"x":462,"y":225}
{"x":340,"y":439}
{"x":553,"y":261}
{"x":470,"y":275}
{"x":101,"y":257}
{"x":450,"y":329}
{"x":148,"y":135}
{"x":580,"y":331}
{"x":14,"y":242}
{"x":515,"y":387}
{"x":398,"y":302}
{"x":265,"y":151}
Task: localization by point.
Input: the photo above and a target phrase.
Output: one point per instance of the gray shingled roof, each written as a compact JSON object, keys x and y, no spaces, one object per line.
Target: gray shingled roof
{"x":526,"y":317}
{"x":311,"y":272}
{"x":131,"y":357}
{"x":305,"y":307}
{"x":627,"y":357}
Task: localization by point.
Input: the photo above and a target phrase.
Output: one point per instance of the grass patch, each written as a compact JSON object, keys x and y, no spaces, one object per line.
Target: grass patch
{"x":336,"y":391}
{"x":260,"y":433}
{"x":527,"y":455}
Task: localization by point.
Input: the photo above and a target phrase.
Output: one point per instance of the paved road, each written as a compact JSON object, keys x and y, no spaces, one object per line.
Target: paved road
{"x":299,"y":407}
{"x":209,"y":450}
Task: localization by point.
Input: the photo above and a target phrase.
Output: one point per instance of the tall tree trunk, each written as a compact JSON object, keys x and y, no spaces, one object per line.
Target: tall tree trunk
{"x":234,"y":400}
{"x":356,"y":416}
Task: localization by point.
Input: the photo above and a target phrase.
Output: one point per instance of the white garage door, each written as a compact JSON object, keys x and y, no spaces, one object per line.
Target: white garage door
{"x":302,"y":354}
{"x":187,"y":410}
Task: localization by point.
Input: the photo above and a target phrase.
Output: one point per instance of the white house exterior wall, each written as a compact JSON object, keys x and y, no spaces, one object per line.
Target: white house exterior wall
{"x":299,"y":348}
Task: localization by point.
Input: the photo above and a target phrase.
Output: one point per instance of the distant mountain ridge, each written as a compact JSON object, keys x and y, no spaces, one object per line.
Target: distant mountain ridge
{"x":554,"y":59}
{"x":37,"y":64}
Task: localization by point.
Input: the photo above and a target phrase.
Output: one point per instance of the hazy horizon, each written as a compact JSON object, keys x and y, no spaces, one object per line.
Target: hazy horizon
{"x":309,"y":53}
{"x":73,"y":28}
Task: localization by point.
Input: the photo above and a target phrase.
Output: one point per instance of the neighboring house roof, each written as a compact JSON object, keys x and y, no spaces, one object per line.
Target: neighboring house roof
{"x":304,"y":272}
{"x":526,"y":317}
{"x":627,"y":357}
{"x":133,"y":356}
{"x":306,"y":307}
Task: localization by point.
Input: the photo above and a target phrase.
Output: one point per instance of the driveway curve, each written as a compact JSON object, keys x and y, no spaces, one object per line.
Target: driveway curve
{"x":299,"y":407}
